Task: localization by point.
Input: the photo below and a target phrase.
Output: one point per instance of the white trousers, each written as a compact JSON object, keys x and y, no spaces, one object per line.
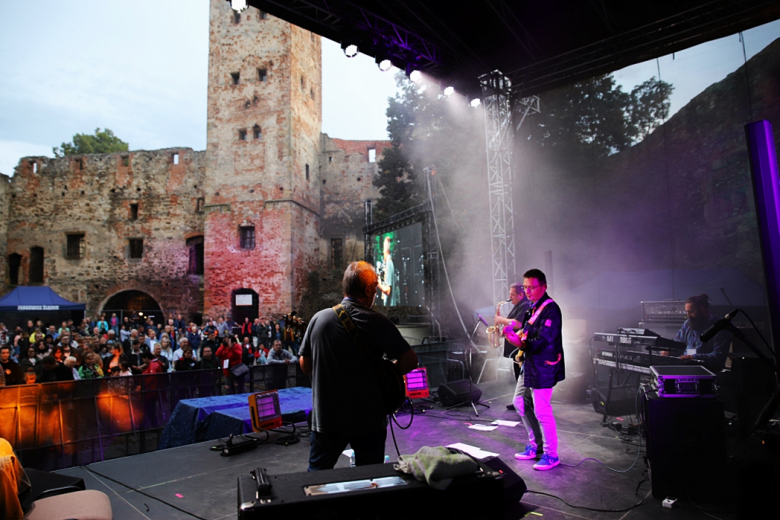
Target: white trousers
{"x":535,"y":409}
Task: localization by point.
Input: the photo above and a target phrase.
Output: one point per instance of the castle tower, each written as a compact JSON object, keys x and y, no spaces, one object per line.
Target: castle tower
{"x":262,"y":190}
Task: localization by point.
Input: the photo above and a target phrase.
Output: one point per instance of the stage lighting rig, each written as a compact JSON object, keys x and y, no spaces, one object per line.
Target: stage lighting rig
{"x":384,"y":63}
{"x":415,"y":76}
{"x":449,"y":91}
{"x":350,"y":49}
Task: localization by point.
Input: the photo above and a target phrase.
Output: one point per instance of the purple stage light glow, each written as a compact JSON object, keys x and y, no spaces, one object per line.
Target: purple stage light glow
{"x":766,"y":191}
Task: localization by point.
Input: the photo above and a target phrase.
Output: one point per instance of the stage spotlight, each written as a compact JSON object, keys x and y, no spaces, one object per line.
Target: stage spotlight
{"x":448,"y":91}
{"x":475,"y":102}
{"x":384,"y":64}
{"x":350,"y":49}
{"x":415,"y":76}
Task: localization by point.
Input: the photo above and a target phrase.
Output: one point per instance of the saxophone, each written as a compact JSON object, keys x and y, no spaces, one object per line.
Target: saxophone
{"x":495,"y":332}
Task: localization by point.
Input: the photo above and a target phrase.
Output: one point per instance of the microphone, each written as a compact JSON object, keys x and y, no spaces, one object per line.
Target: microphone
{"x":718,"y":326}
{"x":482,"y":320}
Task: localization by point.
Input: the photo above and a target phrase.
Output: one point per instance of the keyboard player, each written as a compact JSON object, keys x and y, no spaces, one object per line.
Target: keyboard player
{"x":714,"y":352}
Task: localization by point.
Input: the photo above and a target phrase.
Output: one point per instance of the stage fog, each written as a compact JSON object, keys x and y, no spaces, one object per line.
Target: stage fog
{"x":622,"y":193}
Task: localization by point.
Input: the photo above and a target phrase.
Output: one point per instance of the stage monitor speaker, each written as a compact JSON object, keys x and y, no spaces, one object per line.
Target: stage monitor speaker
{"x":377,"y":491}
{"x":457,"y":392}
{"x":621,"y":399}
{"x":514,"y":485}
{"x":686,"y":447}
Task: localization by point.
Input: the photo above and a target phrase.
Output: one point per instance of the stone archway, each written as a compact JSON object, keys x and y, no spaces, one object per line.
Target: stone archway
{"x":129,"y":302}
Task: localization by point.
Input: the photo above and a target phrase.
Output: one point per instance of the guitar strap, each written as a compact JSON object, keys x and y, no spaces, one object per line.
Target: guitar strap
{"x":345,"y":320}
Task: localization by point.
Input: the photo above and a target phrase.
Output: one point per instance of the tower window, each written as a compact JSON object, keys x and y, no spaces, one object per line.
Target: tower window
{"x":35,"y":167}
{"x":307,"y":172}
{"x":136,"y":248}
{"x":263,"y":15}
{"x":242,"y":135}
{"x":303,"y":83}
{"x":372,"y":155}
{"x":311,"y":93}
{"x":262,"y":74}
{"x":195,"y":248}
{"x":236,"y":17}
{"x":176,"y":158}
{"x":134,"y":211}
{"x":125,"y":160}
{"x":76,"y":246}
{"x":199,"y":202}
{"x":256,"y":134}
{"x":79,"y":164}
{"x":330,"y":158}
{"x":336,"y":253}
{"x":236,"y":77}
{"x":247,"y":236}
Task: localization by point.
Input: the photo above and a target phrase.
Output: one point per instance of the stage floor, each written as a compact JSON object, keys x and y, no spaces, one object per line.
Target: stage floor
{"x":203,"y":483}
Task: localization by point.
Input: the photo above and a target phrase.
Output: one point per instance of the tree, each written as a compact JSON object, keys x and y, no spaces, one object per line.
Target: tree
{"x":397,"y":175}
{"x":102,"y":142}
{"x":596,"y":116}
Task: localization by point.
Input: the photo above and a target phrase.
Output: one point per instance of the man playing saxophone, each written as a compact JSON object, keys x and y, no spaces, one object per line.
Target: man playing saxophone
{"x":520,"y":305}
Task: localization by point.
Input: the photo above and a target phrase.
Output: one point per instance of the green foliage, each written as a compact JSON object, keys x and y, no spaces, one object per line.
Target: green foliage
{"x":596,"y":116}
{"x":397,"y":173}
{"x":102,"y":142}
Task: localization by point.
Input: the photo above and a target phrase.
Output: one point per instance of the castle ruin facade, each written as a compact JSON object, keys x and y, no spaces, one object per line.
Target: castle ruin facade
{"x":261,"y":222}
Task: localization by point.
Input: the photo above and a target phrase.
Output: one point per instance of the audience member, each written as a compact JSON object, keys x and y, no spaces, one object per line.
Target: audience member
{"x":11,"y":369}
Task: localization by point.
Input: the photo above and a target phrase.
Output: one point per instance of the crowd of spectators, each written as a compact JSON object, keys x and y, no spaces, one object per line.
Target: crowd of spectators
{"x":113,"y":347}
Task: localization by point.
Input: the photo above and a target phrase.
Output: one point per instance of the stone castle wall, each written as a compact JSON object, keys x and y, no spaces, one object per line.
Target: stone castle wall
{"x":49,"y":199}
{"x":267,"y":166}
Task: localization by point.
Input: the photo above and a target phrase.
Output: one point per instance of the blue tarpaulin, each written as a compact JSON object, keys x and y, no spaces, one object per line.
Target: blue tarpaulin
{"x":31,"y":299}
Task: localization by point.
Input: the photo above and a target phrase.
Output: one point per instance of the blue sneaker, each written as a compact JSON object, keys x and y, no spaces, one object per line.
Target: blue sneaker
{"x":547,"y":462}
{"x":527,"y":454}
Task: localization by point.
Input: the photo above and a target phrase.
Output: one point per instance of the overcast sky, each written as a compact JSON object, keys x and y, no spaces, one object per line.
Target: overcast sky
{"x":139,"y":67}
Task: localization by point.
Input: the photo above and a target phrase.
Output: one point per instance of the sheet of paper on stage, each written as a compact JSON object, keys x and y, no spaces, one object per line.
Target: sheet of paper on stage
{"x":511,"y":424}
{"x":483,"y":427}
{"x":475,"y":452}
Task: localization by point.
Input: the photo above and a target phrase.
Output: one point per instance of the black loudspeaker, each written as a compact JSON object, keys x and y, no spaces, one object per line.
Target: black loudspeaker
{"x":614,"y":391}
{"x":457,"y":392}
{"x":686,"y":447}
{"x":376,"y":491}
{"x":514,"y":485}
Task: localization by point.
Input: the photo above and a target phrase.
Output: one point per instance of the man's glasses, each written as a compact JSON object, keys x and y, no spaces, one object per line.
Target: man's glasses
{"x":530,"y":288}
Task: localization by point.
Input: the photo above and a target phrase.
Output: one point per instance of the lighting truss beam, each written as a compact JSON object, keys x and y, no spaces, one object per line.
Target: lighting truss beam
{"x":496,"y":91}
{"x":373,"y":34}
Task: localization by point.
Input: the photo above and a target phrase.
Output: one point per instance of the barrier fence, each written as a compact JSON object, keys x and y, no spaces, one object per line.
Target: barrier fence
{"x":60,"y":425}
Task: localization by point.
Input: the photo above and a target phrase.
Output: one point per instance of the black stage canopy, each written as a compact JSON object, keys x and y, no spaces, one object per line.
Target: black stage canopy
{"x":537,"y":44}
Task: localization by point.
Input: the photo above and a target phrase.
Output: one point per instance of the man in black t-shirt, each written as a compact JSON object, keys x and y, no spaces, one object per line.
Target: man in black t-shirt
{"x":340,"y":370}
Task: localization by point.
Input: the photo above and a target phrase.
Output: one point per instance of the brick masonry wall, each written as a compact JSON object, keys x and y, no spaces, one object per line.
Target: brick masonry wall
{"x":266,"y":180}
{"x":91,"y":195}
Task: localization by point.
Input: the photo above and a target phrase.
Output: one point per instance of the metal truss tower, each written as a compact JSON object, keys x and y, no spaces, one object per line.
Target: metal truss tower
{"x":497,"y":104}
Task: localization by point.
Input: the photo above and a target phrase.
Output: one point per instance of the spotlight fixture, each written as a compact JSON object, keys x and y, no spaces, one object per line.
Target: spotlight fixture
{"x":238,"y":5}
{"x":475,"y":102}
{"x":384,"y":64}
{"x":415,"y":76}
{"x":350,"y":49}
{"x":448,"y":91}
